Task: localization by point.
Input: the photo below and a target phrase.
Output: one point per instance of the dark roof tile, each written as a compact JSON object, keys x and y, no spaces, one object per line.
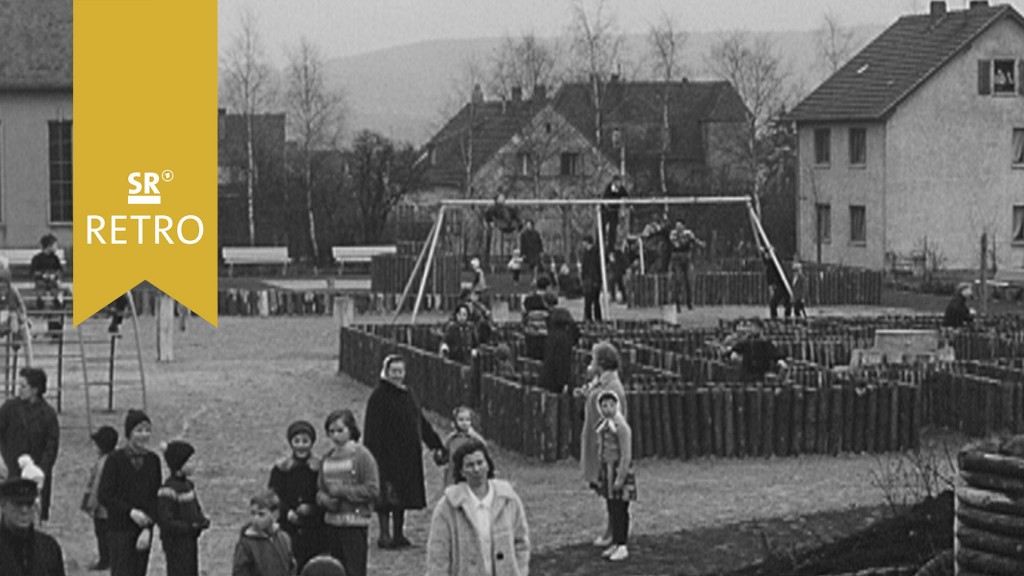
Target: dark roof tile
{"x":895,"y":63}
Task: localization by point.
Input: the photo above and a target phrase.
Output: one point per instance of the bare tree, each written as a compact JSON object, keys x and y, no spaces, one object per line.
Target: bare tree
{"x":596,"y":51}
{"x":524,"y":62}
{"x":834,"y":43}
{"x":756,"y":70}
{"x":666,"y":43}
{"x":315,"y":116}
{"x":248,"y":89}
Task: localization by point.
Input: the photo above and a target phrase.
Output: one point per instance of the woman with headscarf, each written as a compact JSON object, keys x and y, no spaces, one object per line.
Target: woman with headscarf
{"x":604,"y":371}
{"x":394,"y":431}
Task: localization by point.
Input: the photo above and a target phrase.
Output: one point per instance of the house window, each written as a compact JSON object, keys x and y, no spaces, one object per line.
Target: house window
{"x":524,"y":164}
{"x":858,"y":228}
{"x":858,"y":146}
{"x":1018,"y":147}
{"x":1004,"y":77}
{"x":822,"y":146}
{"x":61,"y":209}
{"x":570,"y":163}
{"x":1018,"y":225}
{"x":1000,"y":77}
{"x":824,"y":223}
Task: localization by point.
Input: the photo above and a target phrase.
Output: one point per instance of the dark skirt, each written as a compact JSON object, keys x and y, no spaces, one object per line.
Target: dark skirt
{"x":606,"y":479}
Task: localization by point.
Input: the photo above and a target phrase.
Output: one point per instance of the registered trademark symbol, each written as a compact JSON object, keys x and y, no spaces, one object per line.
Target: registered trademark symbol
{"x":167,"y":175}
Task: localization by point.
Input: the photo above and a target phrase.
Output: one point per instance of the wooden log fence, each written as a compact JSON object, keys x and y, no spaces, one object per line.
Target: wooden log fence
{"x":832,"y":286}
{"x":989,"y":513}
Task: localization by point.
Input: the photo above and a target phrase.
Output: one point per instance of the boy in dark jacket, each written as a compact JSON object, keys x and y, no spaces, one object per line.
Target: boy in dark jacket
{"x":263,"y":549}
{"x":179,"y":514}
{"x":294,"y":480}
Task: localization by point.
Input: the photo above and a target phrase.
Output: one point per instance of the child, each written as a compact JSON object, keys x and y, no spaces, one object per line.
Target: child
{"x":348,"y":487}
{"x":106,"y":440}
{"x":293,"y":479}
{"x":515,"y":265}
{"x":462,"y":421}
{"x":616,"y":482}
{"x":179,"y":514}
{"x":263,"y":549}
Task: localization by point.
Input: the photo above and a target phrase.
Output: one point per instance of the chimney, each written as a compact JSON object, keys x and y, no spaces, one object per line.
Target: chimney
{"x":938,"y":9}
{"x":540,"y":93}
{"x":978,"y":4}
{"x":478,"y":94}
{"x":517,"y":94}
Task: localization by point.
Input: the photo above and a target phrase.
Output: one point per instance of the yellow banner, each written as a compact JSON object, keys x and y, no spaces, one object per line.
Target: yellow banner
{"x":145,"y":151}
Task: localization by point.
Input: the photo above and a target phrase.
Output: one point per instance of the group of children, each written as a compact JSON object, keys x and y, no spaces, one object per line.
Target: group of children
{"x":311,"y":519}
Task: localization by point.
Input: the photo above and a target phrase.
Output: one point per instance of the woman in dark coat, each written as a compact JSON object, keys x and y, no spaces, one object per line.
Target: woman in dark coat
{"x":128,"y":490}
{"x":563,"y":335}
{"x":394,"y":431}
{"x":28,"y":425}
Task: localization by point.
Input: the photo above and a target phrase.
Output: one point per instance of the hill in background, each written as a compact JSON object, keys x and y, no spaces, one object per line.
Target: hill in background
{"x":407,"y":92}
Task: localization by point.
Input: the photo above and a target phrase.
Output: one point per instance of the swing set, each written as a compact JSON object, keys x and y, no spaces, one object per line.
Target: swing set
{"x":426,"y":256}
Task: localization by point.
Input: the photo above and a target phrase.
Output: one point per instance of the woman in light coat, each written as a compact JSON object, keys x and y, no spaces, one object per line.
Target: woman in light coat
{"x":479,"y":524}
{"x":604,"y":370}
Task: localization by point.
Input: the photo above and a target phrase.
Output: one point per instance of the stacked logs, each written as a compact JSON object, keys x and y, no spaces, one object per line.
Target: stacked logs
{"x":989,"y":525}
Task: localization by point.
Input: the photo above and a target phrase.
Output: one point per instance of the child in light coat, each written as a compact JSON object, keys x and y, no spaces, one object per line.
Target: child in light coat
{"x":616,"y":482}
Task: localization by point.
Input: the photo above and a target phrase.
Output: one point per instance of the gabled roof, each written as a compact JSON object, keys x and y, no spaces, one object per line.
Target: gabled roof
{"x":637,"y":106}
{"x":493,"y":123}
{"x":35,"y":44}
{"x":896,"y":63}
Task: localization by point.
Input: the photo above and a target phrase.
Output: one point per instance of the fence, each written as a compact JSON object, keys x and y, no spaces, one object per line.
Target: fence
{"x":825,"y":287}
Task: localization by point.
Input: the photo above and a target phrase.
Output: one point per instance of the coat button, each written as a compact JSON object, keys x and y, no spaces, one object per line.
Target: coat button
{"x":500,"y":556}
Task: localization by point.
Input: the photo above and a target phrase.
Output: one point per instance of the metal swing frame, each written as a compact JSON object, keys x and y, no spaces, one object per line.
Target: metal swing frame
{"x":426,"y":256}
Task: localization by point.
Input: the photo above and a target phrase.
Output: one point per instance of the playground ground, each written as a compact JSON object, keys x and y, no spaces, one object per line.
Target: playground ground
{"x":232,"y":391}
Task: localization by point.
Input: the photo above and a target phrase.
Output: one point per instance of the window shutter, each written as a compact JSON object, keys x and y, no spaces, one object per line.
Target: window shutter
{"x":1020,"y":77}
{"x":984,"y":77}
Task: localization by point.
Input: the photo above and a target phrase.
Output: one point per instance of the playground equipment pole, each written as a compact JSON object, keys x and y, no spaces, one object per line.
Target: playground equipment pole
{"x":429,"y":262}
{"x":434,"y":231}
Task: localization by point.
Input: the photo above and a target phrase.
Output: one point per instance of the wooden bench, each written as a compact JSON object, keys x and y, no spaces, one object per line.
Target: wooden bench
{"x":360,"y":254}
{"x":1007,"y":284}
{"x":23,"y":256}
{"x":255,"y":255}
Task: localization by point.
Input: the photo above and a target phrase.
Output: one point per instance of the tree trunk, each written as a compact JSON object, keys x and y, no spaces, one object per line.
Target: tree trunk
{"x":250,"y":180}
{"x":314,"y":245}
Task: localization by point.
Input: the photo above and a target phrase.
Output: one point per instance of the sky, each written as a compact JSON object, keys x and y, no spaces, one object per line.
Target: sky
{"x":348,"y":27}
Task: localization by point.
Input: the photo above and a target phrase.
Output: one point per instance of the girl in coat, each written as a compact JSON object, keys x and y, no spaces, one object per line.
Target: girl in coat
{"x":294,"y":480}
{"x":615,"y":480}
{"x":394,"y":432}
{"x":604,"y":370}
{"x":463,"y":432}
{"x":479,"y":526}
{"x":348,"y":486}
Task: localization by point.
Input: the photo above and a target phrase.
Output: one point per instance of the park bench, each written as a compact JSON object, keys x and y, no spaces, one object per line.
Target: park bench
{"x":255,"y":255}
{"x":1007,"y":284}
{"x":20,"y":260}
{"x":358,"y":254}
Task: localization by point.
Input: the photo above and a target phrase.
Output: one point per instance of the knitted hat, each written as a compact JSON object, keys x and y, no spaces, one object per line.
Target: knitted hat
{"x":177,"y":453}
{"x":105,"y":438}
{"x":133,"y":419}
{"x":323,"y":566}
{"x":301,"y":427}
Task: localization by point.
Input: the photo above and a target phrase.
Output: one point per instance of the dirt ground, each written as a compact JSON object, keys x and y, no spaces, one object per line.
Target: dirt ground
{"x":232,"y":391}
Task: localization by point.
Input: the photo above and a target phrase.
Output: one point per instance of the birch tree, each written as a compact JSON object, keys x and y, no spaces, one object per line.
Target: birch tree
{"x":315,"y":117}
{"x":249,"y":90}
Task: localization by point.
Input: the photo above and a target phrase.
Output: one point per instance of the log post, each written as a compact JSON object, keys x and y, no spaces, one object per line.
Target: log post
{"x":165,"y":329}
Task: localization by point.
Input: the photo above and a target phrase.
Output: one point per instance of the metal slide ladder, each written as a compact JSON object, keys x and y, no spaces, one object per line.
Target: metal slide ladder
{"x":88,"y":356}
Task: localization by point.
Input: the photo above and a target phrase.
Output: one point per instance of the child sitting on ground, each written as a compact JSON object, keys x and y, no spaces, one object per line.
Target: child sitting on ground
{"x":105,"y":440}
{"x":179,"y":514}
{"x":463,"y":432}
{"x":263,"y":549}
